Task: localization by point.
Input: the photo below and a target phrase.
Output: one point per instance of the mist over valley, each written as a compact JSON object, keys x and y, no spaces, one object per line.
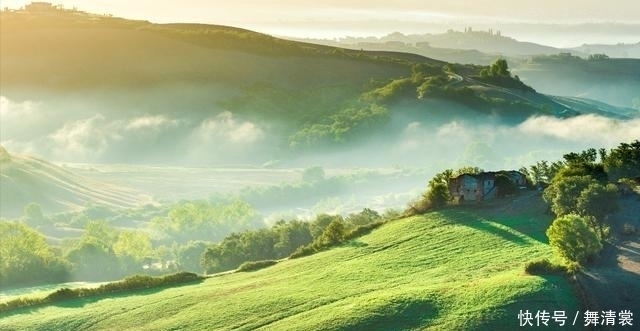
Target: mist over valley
{"x":182,"y":158}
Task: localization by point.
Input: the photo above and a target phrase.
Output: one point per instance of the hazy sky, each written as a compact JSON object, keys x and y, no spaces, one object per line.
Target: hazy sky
{"x":338,"y":18}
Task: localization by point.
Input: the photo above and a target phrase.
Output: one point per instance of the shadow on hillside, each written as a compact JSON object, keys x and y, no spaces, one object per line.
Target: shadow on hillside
{"x":525,"y":213}
{"x":557,"y":295}
{"x":397,"y":316}
{"x":489,"y":226}
{"x":355,"y":243}
{"x":492,"y":225}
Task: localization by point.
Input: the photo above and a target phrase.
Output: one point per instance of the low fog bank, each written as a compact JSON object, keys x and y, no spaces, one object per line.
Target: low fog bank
{"x":433,"y":139}
{"x":439,"y":142}
{"x":113,"y":137}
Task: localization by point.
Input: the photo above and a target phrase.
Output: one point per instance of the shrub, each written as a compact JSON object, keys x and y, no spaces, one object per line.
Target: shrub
{"x":544,"y":267}
{"x":333,"y":234}
{"x":180,"y":277}
{"x":256,"y":265}
{"x":362,"y":230}
{"x":19,"y":303}
{"x":303,"y":251}
{"x":571,"y":238}
{"x":62,"y":294}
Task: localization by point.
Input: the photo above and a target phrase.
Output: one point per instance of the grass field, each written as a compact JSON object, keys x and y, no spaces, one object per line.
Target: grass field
{"x":449,"y":270}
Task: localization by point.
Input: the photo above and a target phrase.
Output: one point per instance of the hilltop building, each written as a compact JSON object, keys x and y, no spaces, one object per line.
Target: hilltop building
{"x":482,"y":186}
{"x":39,"y":7}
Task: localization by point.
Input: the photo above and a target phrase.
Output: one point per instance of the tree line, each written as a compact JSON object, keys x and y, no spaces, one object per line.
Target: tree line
{"x":293,"y":238}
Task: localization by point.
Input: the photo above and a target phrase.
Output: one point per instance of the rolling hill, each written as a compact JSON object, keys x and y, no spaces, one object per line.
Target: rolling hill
{"x":446,"y":270}
{"x":25,"y":179}
{"x":611,"y":80}
{"x":155,"y":90}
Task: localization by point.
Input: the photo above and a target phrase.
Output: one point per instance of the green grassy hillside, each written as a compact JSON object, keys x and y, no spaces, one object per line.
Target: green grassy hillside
{"x":449,"y":270}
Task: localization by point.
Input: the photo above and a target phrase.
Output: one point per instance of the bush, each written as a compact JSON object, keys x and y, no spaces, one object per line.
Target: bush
{"x":180,"y":277}
{"x":362,"y":230}
{"x":303,"y":251}
{"x":62,"y":294}
{"x":333,"y":234}
{"x":418,"y":207}
{"x":19,"y":303}
{"x":256,"y":265}
{"x":571,"y":238}
{"x":544,"y":267}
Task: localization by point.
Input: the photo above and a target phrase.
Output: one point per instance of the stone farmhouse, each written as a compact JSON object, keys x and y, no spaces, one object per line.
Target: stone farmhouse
{"x":482,"y":186}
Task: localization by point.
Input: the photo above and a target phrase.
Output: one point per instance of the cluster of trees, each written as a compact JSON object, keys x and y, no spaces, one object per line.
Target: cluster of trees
{"x":186,"y":239}
{"x":106,"y":251}
{"x":26,"y":258}
{"x":541,"y":173}
{"x":498,"y":73}
{"x":336,"y":128}
{"x":205,"y":220}
{"x":281,"y":240}
{"x":581,"y":195}
{"x":497,"y":69}
{"x":101,"y":253}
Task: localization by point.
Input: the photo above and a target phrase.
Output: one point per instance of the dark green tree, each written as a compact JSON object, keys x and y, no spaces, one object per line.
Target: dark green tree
{"x":624,"y":161}
{"x":92,"y":260}
{"x":189,"y":256}
{"x":500,"y":68}
{"x":598,"y":200}
{"x":321,"y":222}
{"x":563,"y":192}
{"x":291,"y":235}
{"x":333,"y":234}
{"x":26,"y":258}
{"x":438,"y":194}
{"x":573,"y":239}
{"x":366,"y":216}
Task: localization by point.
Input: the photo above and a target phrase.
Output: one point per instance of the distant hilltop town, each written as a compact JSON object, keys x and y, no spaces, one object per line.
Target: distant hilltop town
{"x":44,"y":8}
{"x":40,"y":7}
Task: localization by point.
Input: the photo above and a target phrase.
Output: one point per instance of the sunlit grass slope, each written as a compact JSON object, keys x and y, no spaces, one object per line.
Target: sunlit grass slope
{"x":451,"y":270}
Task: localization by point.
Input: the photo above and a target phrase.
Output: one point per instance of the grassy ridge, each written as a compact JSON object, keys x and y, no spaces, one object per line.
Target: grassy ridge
{"x":442,"y":271}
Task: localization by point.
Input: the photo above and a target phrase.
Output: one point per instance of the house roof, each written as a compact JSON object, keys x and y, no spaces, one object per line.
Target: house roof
{"x":489,"y":174}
